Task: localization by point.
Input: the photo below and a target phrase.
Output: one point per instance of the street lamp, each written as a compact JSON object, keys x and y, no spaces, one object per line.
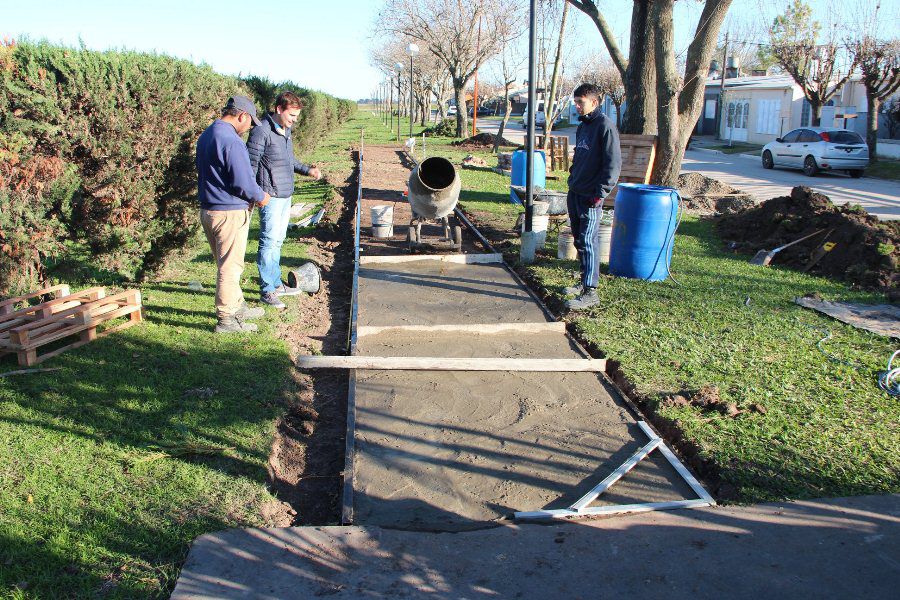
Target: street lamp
{"x":412,"y":50}
{"x":399,"y":68}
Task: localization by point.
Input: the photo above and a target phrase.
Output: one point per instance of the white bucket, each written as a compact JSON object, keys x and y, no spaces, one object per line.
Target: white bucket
{"x":566,"y":245}
{"x":382,"y":221}
{"x":539,"y":225}
{"x":605,"y":239}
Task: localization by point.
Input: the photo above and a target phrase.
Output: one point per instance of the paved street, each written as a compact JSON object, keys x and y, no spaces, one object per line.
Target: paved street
{"x":878,"y":196}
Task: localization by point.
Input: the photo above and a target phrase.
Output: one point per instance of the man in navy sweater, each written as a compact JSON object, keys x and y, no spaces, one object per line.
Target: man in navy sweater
{"x":594,"y":173}
{"x":227,"y":190}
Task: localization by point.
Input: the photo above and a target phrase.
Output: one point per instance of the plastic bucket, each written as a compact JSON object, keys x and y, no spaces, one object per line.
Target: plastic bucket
{"x":643,"y":236}
{"x":382,"y":221}
{"x":604,"y":242}
{"x":519,"y":164}
{"x":307,"y":277}
{"x":565,"y":245}
{"x":539,"y":225}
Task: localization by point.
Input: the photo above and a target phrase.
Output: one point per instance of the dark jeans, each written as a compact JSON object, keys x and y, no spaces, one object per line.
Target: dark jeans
{"x":585,"y":221}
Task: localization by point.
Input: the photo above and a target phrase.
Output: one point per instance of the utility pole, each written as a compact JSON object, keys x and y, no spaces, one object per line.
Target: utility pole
{"x":721,"y":112}
{"x":475,"y":99}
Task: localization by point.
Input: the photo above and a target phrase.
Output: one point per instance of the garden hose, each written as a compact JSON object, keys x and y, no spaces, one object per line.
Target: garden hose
{"x":889,"y":379}
{"x":672,"y":238}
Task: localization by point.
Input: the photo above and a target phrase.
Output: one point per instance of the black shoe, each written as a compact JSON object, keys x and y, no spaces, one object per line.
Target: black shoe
{"x":586,"y":300}
{"x":271,"y":299}
{"x":285,"y":290}
{"x":234,"y":324}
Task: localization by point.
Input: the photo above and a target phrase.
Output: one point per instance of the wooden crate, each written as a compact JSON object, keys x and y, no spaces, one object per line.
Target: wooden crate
{"x":557,"y":151}
{"x":80,"y":322}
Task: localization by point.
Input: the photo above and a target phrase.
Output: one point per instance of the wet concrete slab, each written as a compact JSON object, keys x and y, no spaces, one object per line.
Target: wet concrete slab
{"x":451,"y":451}
{"x":838,"y":548}
{"x":431,"y":292}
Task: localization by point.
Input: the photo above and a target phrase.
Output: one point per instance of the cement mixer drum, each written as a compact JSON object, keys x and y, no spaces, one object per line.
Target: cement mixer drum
{"x":434,"y":188}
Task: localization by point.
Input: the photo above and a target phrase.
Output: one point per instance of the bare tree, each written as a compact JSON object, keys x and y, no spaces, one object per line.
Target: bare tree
{"x":879,"y":64}
{"x":507,"y":68}
{"x":601,"y":72}
{"x":813,"y":66}
{"x":551,"y":102}
{"x":878,"y":60}
{"x":658,"y":99}
{"x":446,"y":29}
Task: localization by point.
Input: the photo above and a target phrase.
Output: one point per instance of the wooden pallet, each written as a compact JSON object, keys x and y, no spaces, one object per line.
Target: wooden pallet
{"x":638,"y":156}
{"x":44,"y":310}
{"x":81,"y":321}
{"x":9,"y":305}
{"x":557,"y":151}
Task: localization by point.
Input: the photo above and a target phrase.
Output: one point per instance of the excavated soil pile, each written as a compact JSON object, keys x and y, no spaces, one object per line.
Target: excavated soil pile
{"x":706,"y":195}
{"x":483,"y":140}
{"x":866,"y":253}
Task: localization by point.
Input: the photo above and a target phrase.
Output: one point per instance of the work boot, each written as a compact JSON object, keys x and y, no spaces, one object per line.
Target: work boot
{"x":246,"y":313}
{"x":573,"y":290}
{"x":285,"y":290}
{"x":271,"y":299}
{"x":587,"y":299}
{"x":234,"y":324}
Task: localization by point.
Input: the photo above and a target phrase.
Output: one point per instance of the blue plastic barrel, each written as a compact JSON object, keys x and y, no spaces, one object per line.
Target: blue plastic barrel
{"x":517,"y":177}
{"x":644,"y":223}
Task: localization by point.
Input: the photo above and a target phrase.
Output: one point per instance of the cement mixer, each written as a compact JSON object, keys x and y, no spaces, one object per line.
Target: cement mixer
{"x":433,"y":193}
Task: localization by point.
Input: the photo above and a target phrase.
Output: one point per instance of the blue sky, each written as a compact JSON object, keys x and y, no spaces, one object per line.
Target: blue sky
{"x":323,"y":45}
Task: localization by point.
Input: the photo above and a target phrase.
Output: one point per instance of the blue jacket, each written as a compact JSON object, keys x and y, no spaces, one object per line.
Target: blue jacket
{"x":224,"y":178}
{"x":272,"y":158}
{"x":598,"y":157}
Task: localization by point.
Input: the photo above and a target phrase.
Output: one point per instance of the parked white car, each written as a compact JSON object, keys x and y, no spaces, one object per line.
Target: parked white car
{"x":451,"y":111}
{"x":815,"y":149}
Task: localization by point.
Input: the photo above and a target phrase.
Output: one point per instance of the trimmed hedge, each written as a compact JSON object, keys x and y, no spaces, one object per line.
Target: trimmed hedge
{"x":98,"y":148}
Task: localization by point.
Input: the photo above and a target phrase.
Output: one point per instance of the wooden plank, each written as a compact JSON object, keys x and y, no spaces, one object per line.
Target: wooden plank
{"x":29,"y":357}
{"x":45,"y":309}
{"x":6,"y":306}
{"x":481,"y":328}
{"x":414,"y":363}
{"x":467,"y":259}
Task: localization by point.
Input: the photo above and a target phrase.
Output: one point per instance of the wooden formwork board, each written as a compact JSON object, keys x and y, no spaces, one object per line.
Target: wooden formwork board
{"x":57,"y":291}
{"x":439,"y":363}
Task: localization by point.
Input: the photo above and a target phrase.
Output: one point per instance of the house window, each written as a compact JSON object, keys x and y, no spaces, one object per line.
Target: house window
{"x":805,"y":113}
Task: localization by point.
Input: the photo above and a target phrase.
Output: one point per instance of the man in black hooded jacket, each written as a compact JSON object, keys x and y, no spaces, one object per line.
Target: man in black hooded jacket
{"x":594,"y":173}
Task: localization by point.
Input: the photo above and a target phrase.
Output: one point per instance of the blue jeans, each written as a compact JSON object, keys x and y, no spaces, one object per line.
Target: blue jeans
{"x":273,"y":222}
{"x":585,"y":221}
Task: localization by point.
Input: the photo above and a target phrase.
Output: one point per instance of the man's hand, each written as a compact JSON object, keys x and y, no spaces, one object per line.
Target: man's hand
{"x":264,"y":201}
{"x":596,"y":201}
{"x":315,"y":173}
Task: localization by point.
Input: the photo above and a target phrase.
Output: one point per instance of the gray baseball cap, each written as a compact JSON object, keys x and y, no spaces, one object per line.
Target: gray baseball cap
{"x":245,"y":104}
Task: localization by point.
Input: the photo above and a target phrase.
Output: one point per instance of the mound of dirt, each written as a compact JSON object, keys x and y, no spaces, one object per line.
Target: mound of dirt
{"x":866,"y":251}
{"x":483,"y":140}
{"x":707,"y":196}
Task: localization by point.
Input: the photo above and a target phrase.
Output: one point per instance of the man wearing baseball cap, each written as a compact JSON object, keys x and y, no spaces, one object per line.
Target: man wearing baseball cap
{"x":227,"y":190}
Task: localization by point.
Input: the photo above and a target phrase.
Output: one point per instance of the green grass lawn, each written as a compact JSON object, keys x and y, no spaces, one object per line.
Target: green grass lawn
{"x":884,"y":169}
{"x":145,"y":439}
{"x":812,"y":421}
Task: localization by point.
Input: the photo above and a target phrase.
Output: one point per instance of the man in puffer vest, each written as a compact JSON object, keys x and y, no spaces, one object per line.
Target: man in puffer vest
{"x":595,"y":171}
{"x":272,"y":159}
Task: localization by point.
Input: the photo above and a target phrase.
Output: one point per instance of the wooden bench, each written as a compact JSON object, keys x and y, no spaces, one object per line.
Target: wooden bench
{"x":81,"y":320}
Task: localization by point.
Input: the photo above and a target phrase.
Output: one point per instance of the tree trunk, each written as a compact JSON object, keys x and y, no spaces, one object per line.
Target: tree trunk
{"x":640,"y":76}
{"x":550,"y":110}
{"x":506,"y":113}
{"x":459,"y":90}
{"x":816,"y":109}
{"x":872,"y":125}
{"x":618,"y":115}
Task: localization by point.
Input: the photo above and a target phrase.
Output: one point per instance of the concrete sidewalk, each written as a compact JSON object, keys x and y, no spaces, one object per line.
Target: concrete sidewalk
{"x":839,"y":548}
